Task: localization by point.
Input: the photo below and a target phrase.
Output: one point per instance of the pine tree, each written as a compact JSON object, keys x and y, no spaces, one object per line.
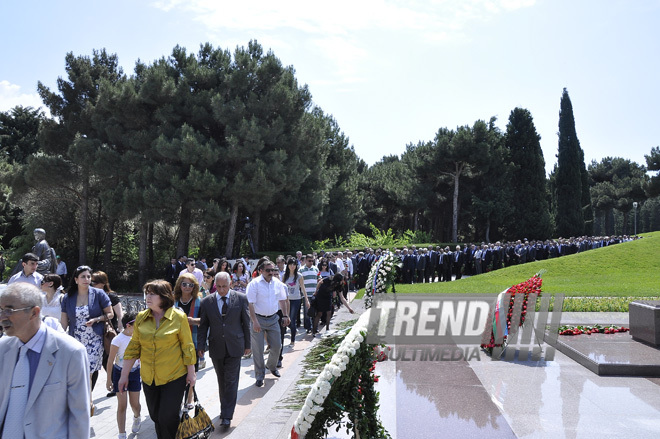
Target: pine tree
{"x":568,"y":179}
{"x":531,"y":215}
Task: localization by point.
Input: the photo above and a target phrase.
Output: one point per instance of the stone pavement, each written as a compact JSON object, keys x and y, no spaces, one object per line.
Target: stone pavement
{"x":457,"y":399}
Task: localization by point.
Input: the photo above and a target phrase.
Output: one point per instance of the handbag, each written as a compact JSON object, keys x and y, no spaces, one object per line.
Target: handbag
{"x":108,"y":334}
{"x":311,"y":311}
{"x":197,"y":427}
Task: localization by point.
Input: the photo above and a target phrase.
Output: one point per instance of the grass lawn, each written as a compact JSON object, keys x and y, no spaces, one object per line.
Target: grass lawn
{"x":627,"y":270}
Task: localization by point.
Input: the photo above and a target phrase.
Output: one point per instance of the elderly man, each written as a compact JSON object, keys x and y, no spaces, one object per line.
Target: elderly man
{"x":44,"y":386}
{"x":266,"y":294}
{"x":224,"y":316}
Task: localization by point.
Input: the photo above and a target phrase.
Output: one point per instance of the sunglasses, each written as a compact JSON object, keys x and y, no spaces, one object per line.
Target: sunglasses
{"x":187,"y":284}
{"x":207,"y":276}
{"x":270,"y":270}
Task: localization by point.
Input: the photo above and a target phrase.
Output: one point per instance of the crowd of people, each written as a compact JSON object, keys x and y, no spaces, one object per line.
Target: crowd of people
{"x":440,"y":264}
{"x":227,"y":311}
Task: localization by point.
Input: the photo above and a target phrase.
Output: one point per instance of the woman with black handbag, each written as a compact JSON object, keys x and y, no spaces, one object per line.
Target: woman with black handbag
{"x":162,"y":340}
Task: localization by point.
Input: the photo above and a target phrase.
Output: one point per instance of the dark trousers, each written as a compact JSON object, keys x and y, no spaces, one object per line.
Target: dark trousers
{"x":164,"y":403}
{"x":420,"y":275}
{"x":439,"y":269}
{"x":307,"y":321}
{"x":429,"y":273}
{"x":282,"y":332}
{"x":227,"y":369}
{"x":293,"y":311}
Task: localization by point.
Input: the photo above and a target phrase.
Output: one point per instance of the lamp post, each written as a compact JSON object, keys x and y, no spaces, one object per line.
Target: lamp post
{"x":635,"y":209}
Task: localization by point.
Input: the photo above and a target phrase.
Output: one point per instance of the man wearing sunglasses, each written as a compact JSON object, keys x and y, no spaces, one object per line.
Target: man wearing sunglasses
{"x":266,"y":294}
{"x":44,"y":385}
{"x":192,"y":269}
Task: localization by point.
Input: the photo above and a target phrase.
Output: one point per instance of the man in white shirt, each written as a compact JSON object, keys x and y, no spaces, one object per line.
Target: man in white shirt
{"x":266,"y":294}
{"x":29,"y":272}
{"x":61,"y":271}
{"x":190,"y":268}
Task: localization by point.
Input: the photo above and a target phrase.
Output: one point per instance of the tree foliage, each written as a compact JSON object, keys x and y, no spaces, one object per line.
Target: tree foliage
{"x":569,"y":217}
{"x":653,"y":164}
{"x":531,"y":214}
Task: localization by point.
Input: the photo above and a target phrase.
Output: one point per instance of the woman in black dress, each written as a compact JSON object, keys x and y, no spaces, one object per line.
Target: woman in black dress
{"x":326,"y":289}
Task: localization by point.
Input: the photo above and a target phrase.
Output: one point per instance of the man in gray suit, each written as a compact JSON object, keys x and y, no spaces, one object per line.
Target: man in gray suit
{"x":224,"y":316}
{"x":44,"y":385}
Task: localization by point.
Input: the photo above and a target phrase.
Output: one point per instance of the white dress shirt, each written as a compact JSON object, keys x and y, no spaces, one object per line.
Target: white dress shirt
{"x":265,"y":296}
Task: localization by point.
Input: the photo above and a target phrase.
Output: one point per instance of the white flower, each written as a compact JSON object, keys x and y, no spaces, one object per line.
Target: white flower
{"x":352,"y":351}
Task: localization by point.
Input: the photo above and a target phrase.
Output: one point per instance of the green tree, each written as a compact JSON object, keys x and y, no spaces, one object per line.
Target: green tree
{"x":19,"y":128}
{"x":569,"y":218}
{"x":68,"y":139}
{"x":653,"y":164}
{"x":530,"y":215}
{"x":261,"y":112}
{"x":617,"y":183}
{"x":463,"y":153}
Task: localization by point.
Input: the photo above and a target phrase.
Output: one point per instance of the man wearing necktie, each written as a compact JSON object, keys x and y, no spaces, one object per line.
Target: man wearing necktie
{"x":44,"y":385}
{"x":224,"y":317}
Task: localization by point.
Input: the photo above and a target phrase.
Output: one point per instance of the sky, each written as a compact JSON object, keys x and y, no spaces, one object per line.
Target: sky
{"x":391,"y":72}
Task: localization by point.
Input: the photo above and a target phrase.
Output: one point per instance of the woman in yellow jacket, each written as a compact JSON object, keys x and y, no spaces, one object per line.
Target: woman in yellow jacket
{"x":163,"y":342}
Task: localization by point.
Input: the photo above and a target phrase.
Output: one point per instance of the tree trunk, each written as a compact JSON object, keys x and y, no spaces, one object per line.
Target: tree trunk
{"x":150,"y":247}
{"x":231,"y":231}
{"x":416,"y":221}
{"x":609,"y":217}
{"x":255,"y":234}
{"x":107,"y":254}
{"x":184,"y":231}
{"x":142,"y":256}
{"x":488,"y":229}
{"x":454,"y":224}
{"x":84,"y":205}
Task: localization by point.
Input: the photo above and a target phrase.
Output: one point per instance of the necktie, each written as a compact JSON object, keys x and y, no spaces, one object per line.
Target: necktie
{"x":18,"y":397}
{"x":224,"y":305}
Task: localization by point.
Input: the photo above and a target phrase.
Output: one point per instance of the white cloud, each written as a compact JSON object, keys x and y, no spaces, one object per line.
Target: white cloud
{"x":11,"y":96}
{"x":334,"y":27}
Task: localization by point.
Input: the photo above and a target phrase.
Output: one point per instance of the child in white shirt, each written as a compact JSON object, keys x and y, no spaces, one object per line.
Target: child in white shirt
{"x":115,"y":364}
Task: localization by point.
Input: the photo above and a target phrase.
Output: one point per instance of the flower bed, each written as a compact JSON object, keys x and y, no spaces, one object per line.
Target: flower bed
{"x":345,"y":387}
{"x":595,"y":329}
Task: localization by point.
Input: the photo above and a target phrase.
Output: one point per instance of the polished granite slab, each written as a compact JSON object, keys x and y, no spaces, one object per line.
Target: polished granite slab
{"x":611,"y":354}
{"x":562,"y":399}
{"x":430,"y":399}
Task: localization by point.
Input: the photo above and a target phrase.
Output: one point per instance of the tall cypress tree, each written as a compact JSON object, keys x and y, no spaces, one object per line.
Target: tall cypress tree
{"x":531,"y":214}
{"x":569,"y":218}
